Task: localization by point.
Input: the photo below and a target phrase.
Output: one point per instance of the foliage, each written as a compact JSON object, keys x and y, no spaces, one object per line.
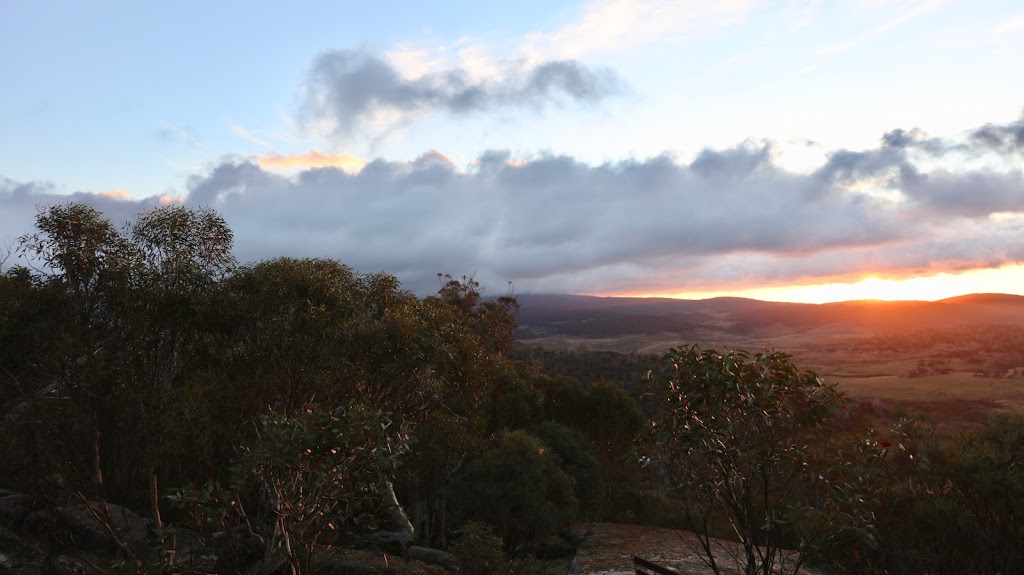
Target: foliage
{"x":575,"y":455}
{"x":159,"y":357}
{"x":612,"y":420}
{"x":480,"y":550}
{"x":311,"y":470}
{"x":940,"y":509}
{"x":733,"y":442}
{"x":518,"y":487}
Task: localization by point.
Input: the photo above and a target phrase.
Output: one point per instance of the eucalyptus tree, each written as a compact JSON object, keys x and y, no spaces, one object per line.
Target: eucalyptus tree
{"x":735,"y":441}
{"x":130,"y":304}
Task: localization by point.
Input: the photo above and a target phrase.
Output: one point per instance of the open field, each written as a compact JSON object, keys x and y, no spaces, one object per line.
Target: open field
{"x":958,"y":360}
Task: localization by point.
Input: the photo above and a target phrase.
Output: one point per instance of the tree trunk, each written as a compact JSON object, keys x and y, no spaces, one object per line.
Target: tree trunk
{"x":158,"y":524}
{"x":398,"y":515}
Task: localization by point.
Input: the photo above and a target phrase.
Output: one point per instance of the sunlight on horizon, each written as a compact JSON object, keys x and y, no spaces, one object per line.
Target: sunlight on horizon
{"x":1007,"y":279}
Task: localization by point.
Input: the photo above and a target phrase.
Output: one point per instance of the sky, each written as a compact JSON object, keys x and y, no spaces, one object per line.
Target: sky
{"x":792,"y":150}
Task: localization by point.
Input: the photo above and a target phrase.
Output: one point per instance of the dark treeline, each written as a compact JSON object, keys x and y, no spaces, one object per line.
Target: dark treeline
{"x":627,"y":370}
{"x":296,"y":403}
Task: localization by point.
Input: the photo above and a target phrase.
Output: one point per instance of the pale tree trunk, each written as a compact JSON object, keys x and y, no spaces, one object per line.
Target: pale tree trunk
{"x":398,"y":515}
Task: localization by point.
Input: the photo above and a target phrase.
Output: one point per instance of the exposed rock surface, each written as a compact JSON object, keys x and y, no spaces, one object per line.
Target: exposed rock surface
{"x":89,"y":532}
{"x":609,"y":549}
{"x":19,"y":558}
{"x":14,"y":508}
{"x":433,"y":557}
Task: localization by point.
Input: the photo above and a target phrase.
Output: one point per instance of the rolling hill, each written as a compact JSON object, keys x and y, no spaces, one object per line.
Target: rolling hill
{"x":959,"y":359}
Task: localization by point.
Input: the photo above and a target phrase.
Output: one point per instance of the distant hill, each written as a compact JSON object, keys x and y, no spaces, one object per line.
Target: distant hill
{"x":957,"y":360}
{"x":602,"y":319}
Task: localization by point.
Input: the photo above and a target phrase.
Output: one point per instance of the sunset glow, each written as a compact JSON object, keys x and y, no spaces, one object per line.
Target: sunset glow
{"x":1008,"y":279}
{"x":116,"y":195}
{"x":311,"y":159}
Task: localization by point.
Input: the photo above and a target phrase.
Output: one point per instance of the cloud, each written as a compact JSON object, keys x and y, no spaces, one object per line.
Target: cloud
{"x":347,"y":89}
{"x":309,"y":160}
{"x":115,"y":195}
{"x":617,"y":25}
{"x":730,"y":218}
{"x":170,"y":133}
{"x":1005,"y":138}
{"x":248,"y":136}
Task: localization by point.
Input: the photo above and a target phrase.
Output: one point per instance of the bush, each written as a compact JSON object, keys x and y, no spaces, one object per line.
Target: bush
{"x":480,"y":550}
{"x":518,"y":487}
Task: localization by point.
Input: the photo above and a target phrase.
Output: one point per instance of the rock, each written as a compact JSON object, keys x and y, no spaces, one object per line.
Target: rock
{"x":382,"y":538}
{"x":555,"y":548}
{"x":14,"y":508}
{"x":20,"y":558}
{"x":240,"y":549}
{"x":89,"y":533}
{"x":434,"y":557}
{"x":575,"y":537}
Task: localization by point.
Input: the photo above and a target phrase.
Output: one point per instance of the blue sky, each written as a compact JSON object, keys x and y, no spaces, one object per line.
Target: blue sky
{"x":616,"y":146}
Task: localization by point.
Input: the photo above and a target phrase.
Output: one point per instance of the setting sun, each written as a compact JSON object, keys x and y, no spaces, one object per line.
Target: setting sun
{"x":1007,"y":279}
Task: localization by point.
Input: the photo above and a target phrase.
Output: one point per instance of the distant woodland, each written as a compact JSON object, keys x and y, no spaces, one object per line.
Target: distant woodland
{"x":167,"y":409}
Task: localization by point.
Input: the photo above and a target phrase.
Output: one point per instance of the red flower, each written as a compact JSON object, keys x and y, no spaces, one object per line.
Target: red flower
{"x":884,"y":443}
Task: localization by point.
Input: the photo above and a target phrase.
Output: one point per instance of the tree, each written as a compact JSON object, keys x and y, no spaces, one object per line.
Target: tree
{"x":127,"y":334}
{"x":612,"y":419}
{"x":576,"y":457}
{"x":518,"y":487}
{"x":311,"y":470}
{"x":734,"y":440}
{"x":942,"y":509}
{"x":177,"y":256}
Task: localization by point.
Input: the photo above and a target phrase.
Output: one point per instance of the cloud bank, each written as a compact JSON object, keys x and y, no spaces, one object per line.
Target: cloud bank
{"x":731,"y":218}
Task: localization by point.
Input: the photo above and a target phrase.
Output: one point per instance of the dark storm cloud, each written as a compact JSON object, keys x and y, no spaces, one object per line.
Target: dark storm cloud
{"x":346,"y":87}
{"x":729,"y":217}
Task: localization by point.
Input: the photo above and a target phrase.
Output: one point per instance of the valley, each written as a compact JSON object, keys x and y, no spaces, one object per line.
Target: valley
{"x":957,"y":360}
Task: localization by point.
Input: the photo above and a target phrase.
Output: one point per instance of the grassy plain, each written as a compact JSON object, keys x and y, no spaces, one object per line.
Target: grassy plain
{"x":957,"y":361}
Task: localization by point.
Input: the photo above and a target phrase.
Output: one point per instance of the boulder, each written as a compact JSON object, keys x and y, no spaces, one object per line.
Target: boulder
{"x":14,"y":508}
{"x":239,"y":550}
{"x":434,"y":557}
{"x":89,"y":533}
{"x":19,"y":558}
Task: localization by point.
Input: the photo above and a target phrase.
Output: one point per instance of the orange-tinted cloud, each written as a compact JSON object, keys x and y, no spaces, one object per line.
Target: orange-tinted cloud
{"x":116,"y":195}
{"x":311,"y":159}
